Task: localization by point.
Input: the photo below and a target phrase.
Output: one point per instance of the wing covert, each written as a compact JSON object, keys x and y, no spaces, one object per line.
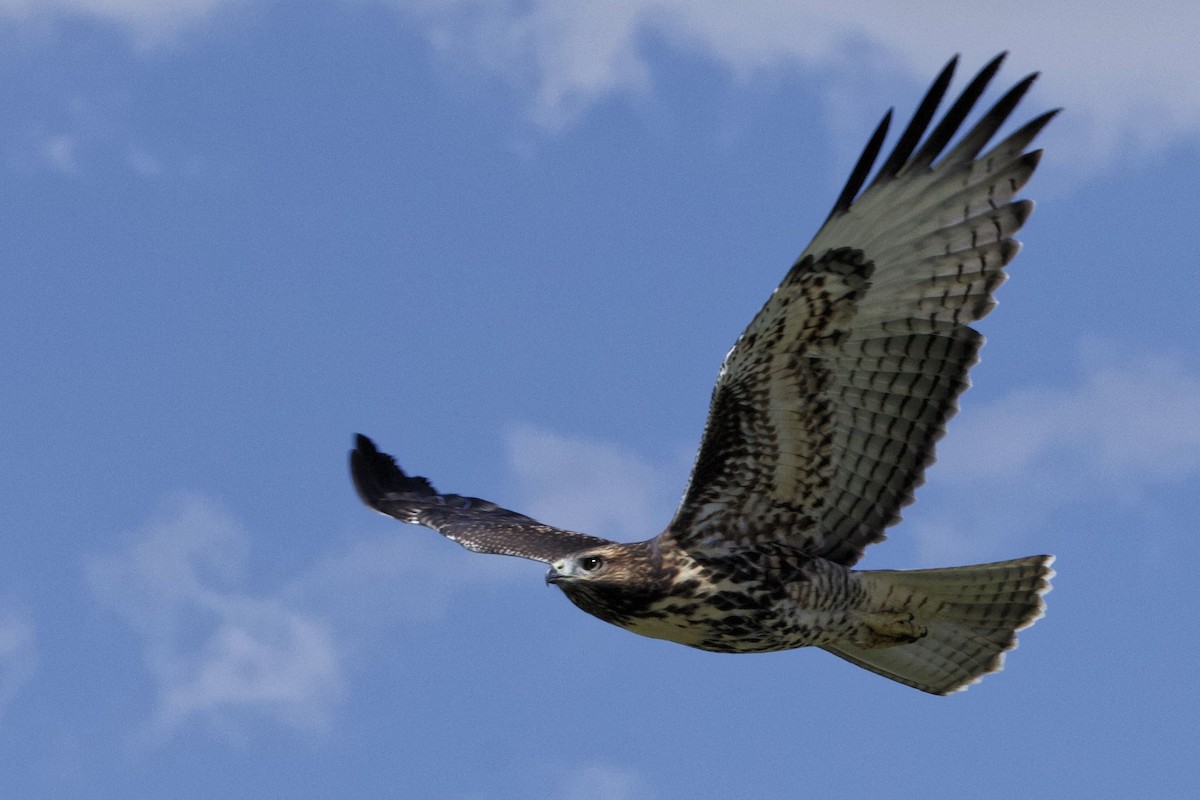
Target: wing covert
{"x":478,"y":525}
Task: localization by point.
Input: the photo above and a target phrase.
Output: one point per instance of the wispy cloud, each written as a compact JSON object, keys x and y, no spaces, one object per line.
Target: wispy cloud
{"x":151,"y":22}
{"x":592,"y":486}
{"x":221,"y":649}
{"x":213,"y":647}
{"x":595,"y":781}
{"x":144,"y":163}
{"x":1124,"y":427}
{"x":18,"y":655}
{"x":1123,"y":73}
{"x":59,"y":152}
{"x":408,"y":576}
{"x":1131,"y":415}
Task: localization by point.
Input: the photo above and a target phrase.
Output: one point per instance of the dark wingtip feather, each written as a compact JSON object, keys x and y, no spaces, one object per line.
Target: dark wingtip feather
{"x":1031,"y":129}
{"x":917,"y":125}
{"x":858,"y":176}
{"x":975,"y":140}
{"x":376,"y":475}
{"x":906,"y":154}
{"x":945,"y":130}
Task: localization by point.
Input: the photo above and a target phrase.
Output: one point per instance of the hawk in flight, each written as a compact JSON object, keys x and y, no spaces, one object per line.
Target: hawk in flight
{"x":823,"y":420}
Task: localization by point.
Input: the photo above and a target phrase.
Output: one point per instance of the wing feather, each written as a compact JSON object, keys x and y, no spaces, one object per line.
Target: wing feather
{"x":827,"y":409}
{"x":478,"y":525}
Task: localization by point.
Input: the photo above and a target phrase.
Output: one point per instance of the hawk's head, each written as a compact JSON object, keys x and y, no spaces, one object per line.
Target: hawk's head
{"x":611,"y":581}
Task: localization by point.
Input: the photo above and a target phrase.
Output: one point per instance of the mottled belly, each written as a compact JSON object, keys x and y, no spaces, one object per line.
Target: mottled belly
{"x":708,"y":626}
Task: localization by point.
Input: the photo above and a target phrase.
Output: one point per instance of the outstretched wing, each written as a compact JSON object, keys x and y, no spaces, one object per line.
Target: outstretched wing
{"x":475,"y":524}
{"x":827,"y":408}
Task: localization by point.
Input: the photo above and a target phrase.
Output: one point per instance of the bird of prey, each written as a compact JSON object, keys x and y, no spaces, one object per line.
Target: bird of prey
{"x":823,"y":419}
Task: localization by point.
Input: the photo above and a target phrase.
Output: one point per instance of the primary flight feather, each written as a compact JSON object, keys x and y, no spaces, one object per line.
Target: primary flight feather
{"x":823,"y":420}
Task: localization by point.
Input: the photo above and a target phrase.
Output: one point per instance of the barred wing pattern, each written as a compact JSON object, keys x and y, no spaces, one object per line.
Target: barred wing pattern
{"x":478,"y":525}
{"x":827,"y":409}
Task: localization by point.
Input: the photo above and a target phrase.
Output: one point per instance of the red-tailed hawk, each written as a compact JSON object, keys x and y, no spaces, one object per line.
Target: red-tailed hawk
{"x":823,"y":420}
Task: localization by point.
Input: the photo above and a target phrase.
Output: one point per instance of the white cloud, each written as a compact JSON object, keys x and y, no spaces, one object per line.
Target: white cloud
{"x":151,"y":22}
{"x":1126,"y":427}
{"x":591,"y":486}
{"x":213,"y":648}
{"x":18,"y":655}
{"x":1123,"y":70}
{"x":1132,"y":416}
{"x":408,"y":575}
{"x":220,"y":649}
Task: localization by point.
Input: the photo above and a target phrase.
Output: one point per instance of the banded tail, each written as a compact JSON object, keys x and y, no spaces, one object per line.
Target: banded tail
{"x":972,"y":615}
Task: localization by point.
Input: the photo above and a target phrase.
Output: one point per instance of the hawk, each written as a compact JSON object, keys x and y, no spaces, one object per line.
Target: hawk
{"x":823,"y":419}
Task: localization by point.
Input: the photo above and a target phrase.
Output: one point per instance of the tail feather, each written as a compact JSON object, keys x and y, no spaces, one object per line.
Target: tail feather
{"x":971,"y":615}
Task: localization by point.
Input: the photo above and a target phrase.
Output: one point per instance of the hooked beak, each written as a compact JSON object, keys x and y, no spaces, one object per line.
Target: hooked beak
{"x":553,"y":576}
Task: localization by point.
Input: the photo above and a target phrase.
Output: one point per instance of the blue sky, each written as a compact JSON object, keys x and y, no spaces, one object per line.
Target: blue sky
{"x":512,"y":242}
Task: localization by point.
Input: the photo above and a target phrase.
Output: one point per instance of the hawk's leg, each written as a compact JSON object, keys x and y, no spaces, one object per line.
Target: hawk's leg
{"x":888,"y":629}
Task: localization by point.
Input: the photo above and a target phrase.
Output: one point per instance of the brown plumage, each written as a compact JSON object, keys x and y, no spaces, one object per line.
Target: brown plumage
{"x":823,"y":420}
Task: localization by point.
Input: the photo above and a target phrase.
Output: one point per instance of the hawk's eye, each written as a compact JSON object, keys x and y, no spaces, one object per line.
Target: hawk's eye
{"x":591,"y":563}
